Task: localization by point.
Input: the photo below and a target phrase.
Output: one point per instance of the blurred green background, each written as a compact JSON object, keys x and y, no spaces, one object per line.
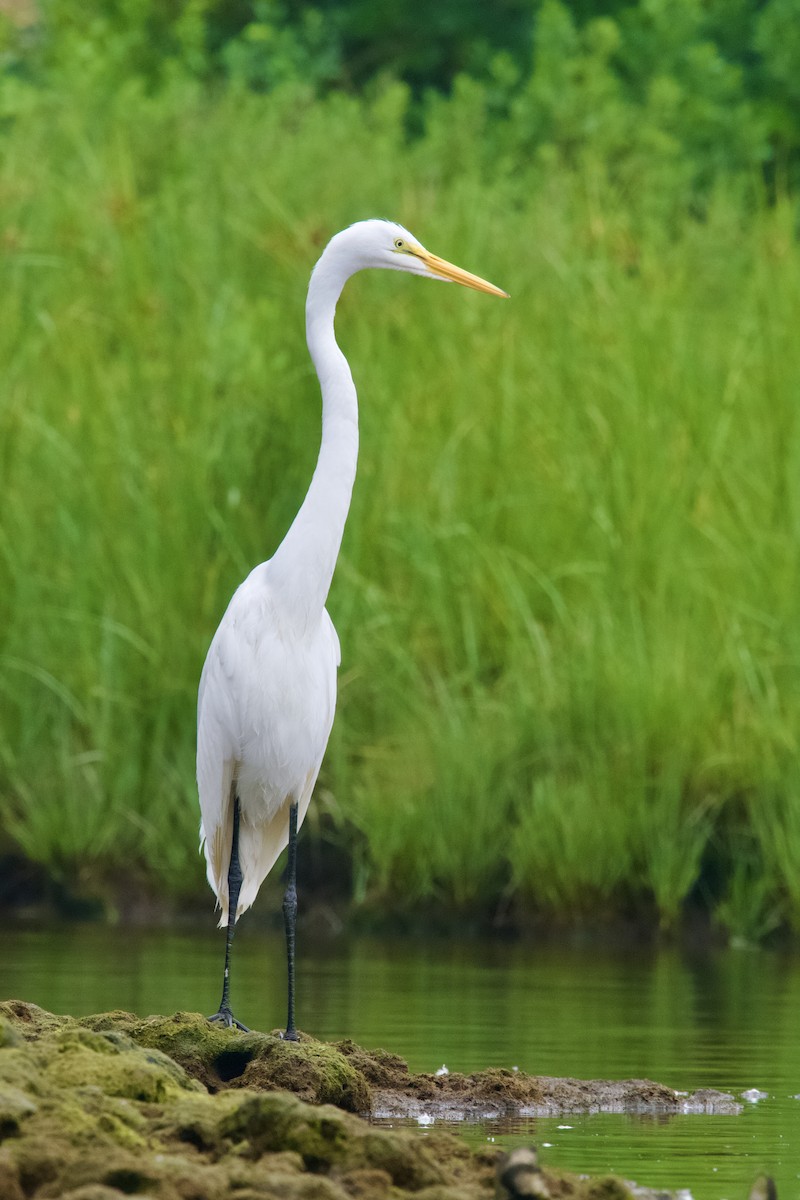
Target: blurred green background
{"x":568,"y":591}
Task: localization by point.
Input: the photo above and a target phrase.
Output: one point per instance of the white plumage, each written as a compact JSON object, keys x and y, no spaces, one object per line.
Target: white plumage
{"x":268,"y":688}
{"x":265,"y":710}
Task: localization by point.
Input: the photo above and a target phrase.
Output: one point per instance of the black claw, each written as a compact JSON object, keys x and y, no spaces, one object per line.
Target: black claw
{"x":225,"y":1017}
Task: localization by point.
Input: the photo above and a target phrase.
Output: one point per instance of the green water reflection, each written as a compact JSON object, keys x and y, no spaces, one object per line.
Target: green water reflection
{"x":720,"y":1019}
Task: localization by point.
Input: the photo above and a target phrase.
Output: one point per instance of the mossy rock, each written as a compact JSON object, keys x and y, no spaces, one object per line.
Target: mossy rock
{"x":9,"y":1036}
{"x":29,"y":1022}
{"x":15,"y":1106}
{"x":115,"y":1064}
{"x":379,"y":1067}
{"x":227,"y":1058}
{"x":97,"y":1109}
{"x":172,"y":1108}
{"x":334,"y":1143}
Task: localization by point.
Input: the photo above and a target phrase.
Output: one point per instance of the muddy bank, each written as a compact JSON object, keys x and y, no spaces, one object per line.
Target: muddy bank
{"x":395,"y":1092}
{"x":175,"y":1109}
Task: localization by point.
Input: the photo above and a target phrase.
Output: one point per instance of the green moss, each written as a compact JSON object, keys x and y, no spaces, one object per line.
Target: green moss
{"x":118,"y":1119}
{"x":273,"y":1121}
{"x":8,"y":1034}
{"x":39,"y":1157}
{"x":313,"y":1070}
{"x":15,"y":1106}
{"x":10,"y":1186}
{"x":127,"y":1174}
{"x":98,"y":1109}
{"x":328,"y":1140}
{"x":114,"y":1064}
{"x":378,"y":1067}
{"x":19,"y":1068}
{"x":226,"y":1058}
{"x":197,"y":1121}
{"x":188,"y":1039}
{"x":70,"y":1036}
{"x":410,"y":1164}
{"x":367,"y":1182}
{"x":28,"y":1022}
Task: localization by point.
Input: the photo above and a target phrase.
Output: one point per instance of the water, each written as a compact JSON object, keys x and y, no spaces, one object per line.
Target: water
{"x":724,"y":1019}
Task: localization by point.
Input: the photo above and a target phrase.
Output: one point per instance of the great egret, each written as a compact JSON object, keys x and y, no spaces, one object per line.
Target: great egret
{"x":268,"y":687}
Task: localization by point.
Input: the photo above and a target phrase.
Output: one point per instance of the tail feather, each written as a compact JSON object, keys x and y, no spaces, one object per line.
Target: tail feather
{"x":216,"y":838}
{"x":260,"y":846}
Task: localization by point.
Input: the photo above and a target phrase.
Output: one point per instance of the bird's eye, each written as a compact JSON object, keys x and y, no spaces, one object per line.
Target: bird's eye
{"x":399,"y":244}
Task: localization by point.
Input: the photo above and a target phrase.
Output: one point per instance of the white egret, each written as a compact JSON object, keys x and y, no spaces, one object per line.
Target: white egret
{"x":268,"y":688}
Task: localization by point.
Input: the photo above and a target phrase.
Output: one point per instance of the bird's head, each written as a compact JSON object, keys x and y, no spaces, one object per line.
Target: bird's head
{"x":385,"y":244}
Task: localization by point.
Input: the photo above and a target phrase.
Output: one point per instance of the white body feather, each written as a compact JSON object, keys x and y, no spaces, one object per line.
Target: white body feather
{"x":265,"y":711}
{"x":268,"y":688}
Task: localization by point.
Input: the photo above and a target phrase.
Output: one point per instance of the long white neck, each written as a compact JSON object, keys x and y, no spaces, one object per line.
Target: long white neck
{"x":302,"y":567}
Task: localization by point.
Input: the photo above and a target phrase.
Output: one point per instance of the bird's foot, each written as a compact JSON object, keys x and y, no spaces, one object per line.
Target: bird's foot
{"x":290,"y":1035}
{"x":225,"y":1017}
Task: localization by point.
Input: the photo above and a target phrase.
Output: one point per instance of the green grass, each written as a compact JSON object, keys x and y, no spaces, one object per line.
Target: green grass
{"x":568,"y":590}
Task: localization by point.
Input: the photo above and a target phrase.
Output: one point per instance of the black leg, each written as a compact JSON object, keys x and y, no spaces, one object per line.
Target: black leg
{"x":224,"y":1015}
{"x":290,"y":918}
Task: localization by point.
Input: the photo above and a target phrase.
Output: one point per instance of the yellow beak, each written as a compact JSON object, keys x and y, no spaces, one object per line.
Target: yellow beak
{"x":439,"y":266}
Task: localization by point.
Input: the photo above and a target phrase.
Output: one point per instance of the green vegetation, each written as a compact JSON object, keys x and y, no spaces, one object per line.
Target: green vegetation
{"x":568,"y":591}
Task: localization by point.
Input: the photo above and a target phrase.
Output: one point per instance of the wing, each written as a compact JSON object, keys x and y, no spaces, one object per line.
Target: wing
{"x":217,"y":752}
{"x":265,"y":709}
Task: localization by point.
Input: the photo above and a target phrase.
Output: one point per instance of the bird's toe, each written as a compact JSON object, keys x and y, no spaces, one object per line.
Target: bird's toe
{"x":225,"y":1017}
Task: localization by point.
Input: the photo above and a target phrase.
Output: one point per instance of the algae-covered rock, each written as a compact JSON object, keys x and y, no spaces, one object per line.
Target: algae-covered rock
{"x":28,"y":1022}
{"x":8,"y":1034}
{"x":15,"y":1106}
{"x":226,"y":1058}
{"x":173,"y":1108}
{"x":99,"y":1109}
{"x":10,"y":1186}
{"x":115,"y":1064}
